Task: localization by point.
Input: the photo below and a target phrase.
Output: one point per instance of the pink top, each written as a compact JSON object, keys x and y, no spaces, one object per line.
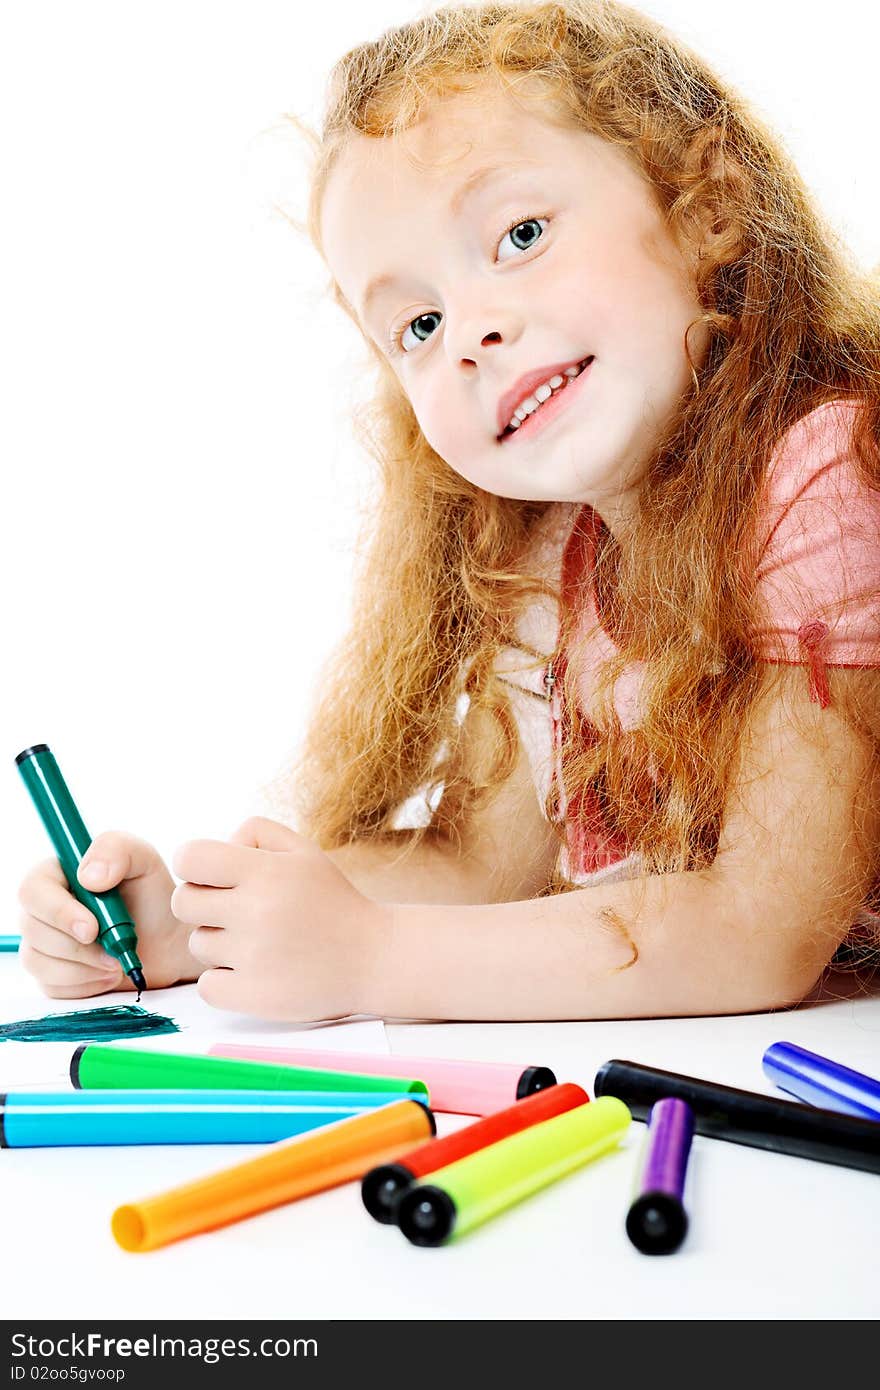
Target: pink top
{"x":818,"y":590}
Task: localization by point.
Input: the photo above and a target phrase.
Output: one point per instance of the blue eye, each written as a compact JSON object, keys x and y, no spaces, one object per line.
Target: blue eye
{"x":418,"y":325}
{"x":531,"y":238}
{"x":415,"y":324}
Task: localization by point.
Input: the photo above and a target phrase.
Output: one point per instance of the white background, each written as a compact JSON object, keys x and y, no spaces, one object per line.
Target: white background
{"x":180,"y":480}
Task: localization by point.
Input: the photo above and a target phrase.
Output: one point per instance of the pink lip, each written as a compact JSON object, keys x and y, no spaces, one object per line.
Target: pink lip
{"x":525,"y":386}
{"x":551,"y":407}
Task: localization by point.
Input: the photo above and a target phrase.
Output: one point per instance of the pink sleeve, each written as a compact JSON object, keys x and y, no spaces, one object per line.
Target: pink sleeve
{"x":818,"y":575}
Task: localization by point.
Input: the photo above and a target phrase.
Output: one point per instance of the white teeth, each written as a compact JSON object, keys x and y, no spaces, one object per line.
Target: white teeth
{"x":543,"y":393}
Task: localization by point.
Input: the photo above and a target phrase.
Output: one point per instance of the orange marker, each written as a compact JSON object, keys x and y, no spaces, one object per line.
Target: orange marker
{"x":290,"y":1169}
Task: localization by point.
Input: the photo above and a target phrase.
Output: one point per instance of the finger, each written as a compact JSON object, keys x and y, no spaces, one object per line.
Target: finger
{"x":54,"y":974}
{"x":210,"y":946}
{"x":45,"y":895}
{"x":196,"y":906}
{"x":260,"y":833}
{"x":86,"y":991}
{"x":211,"y":863}
{"x":114,"y":857}
{"x":60,"y":945}
{"x":47,"y":868}
{"x":229,"y":989}
{"x":219,"y":989}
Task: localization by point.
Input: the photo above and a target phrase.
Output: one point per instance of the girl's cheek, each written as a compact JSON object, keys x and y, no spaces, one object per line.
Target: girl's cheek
{"x":438,"y":417}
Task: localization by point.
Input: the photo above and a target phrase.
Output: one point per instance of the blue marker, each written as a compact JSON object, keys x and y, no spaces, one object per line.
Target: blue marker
{"x":819,"y":1081}
{"x":10,"y":943}
{"x":43,"y":1119}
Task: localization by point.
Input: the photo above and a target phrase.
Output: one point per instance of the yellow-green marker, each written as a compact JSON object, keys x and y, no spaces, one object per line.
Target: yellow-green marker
{"x":465,"y":1193}
{"x":98,"y":1066}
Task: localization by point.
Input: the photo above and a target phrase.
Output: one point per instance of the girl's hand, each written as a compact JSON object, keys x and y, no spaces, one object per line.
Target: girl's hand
{"x":283,"y":933}
{"x":58,"y":934}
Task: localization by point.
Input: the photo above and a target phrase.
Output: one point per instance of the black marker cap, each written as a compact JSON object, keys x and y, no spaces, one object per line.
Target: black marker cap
{"x":426,"y":1215}
{"x":656,"y":1223}
{"x":29,"y":752}
{"x":428,"y":1111}
{"x":534,"y":1079}
{"x":74,"y":1066}
{"x":381,"y":1189}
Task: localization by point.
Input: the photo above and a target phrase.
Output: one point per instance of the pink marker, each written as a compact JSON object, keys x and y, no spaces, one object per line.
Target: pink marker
{"x":456,"y":1087}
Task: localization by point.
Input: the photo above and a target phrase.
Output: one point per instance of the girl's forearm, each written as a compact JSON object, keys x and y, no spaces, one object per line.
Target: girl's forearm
{"x":388,"y":871}
{"x":660,"y":946}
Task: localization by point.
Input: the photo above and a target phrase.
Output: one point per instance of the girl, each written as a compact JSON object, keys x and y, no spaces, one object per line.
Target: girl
{"x":618,"y":623}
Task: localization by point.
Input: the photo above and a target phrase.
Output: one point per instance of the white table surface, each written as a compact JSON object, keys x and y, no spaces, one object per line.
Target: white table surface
{"x":771,"y":1236}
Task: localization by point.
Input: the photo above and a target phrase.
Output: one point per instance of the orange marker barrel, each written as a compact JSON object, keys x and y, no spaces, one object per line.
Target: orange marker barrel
{"x":290,"y":1169}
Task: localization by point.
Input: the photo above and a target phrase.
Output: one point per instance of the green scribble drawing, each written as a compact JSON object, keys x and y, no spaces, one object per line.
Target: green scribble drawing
{"x":88,"y":1025}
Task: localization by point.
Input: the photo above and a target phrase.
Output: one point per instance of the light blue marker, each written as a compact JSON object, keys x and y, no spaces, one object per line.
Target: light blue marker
{"x":42,"y":1119}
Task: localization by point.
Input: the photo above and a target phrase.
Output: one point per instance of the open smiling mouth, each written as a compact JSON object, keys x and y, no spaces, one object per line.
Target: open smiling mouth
{"x":548,"y":409}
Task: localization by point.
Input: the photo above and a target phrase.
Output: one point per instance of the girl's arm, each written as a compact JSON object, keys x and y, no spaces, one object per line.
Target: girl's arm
{"x":753,"y":932}
{"x":508,"y":851}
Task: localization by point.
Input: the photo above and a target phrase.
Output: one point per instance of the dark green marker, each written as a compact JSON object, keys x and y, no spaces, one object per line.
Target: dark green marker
{"x":70,"y":840}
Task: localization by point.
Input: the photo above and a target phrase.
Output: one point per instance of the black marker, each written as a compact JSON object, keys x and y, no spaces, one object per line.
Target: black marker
{"x":70,"y":839}
{"x":745,"y":1117}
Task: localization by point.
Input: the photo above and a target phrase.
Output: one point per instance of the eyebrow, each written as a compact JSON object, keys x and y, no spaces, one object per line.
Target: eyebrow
{"x":476,"y":179}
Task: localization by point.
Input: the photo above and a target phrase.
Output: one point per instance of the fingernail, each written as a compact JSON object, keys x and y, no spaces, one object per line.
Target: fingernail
{"x":94,"y":872}
{"x":82,"y":931}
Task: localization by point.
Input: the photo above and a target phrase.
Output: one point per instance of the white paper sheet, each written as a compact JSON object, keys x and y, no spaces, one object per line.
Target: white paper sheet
{"x":45,"y":1065}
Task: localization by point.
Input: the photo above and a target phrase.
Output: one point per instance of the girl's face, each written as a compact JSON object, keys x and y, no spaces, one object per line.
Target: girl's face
{"x":490,"y":285}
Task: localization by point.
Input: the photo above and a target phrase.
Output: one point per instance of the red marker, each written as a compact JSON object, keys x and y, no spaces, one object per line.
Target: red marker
{"x":382,"y":1186}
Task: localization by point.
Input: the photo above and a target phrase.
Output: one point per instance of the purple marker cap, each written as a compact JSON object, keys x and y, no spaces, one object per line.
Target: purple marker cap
{"x":819,"y":1081}
{"x":656,"y":1222}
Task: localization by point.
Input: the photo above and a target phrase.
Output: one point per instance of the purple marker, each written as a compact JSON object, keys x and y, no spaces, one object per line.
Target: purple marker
{"x":819,"y":1081}
{"x":656,"y":1222}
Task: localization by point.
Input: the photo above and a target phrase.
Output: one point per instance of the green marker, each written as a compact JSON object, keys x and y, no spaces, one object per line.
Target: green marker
{"x":70,"y":840}
{"x":96,"y":1065}
{"x":469,"y":1191}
